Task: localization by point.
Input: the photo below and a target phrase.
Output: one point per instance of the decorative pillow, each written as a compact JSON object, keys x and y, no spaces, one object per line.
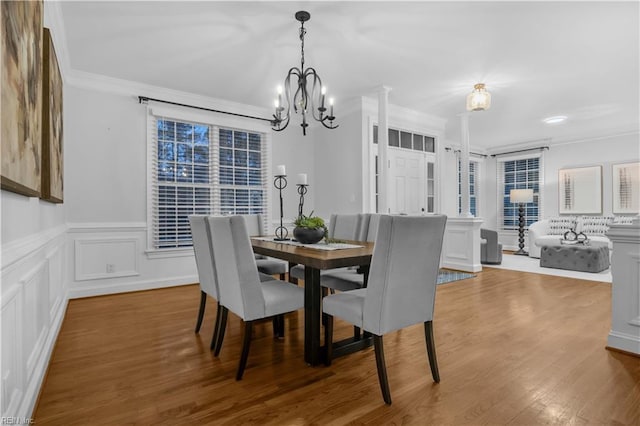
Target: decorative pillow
{"x":595,"y":225}
{"x":624,"y":220}
{"x":560,"y":225}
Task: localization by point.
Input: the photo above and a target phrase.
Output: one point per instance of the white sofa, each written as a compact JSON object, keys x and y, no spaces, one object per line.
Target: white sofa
{"x":550,"y":231}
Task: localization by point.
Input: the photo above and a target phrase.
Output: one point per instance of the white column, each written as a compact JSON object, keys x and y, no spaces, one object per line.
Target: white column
{"x":465,"y":211}
{"x":625,"y":289}
{"x":383,"y":146}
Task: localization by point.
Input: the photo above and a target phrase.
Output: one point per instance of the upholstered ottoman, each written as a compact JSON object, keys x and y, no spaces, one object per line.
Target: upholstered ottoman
{"x":575,"y":257}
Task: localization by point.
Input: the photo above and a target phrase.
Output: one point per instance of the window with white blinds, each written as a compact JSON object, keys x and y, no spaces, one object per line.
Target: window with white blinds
{"x":198,"y":168}
{"x":519,"y":173}
{"x":473,"y":187}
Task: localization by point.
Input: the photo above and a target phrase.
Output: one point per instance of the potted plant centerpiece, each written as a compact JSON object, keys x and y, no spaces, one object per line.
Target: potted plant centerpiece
{"x":309,"y":229}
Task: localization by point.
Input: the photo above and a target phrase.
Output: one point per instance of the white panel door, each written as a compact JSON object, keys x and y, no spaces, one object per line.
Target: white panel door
{"x":407,"y":174}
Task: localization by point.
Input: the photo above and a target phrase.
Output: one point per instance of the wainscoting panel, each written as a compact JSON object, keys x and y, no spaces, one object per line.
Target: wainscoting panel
{"x":461,"y":245}
{"x":33,"y":305}
{"x":11,"y":354}
{"x":107,"y":258}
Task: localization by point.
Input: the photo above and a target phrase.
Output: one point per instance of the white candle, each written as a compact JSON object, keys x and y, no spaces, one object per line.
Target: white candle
{"x":302,"y":179}
{"x":331,"y":105}
{"x":280,"y":170}
{"x":279,"y":90}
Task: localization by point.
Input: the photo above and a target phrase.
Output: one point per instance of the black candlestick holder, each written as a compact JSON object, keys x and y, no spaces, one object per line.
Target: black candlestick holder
{"x":282,"y":233}
{"x":302,"y":190}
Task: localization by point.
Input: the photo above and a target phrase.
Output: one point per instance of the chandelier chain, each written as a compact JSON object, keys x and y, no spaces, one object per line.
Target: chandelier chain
{"x":302,"y":33}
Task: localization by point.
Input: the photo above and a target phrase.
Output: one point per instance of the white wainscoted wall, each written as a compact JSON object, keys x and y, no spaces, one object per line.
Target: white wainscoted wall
{"x":33,"y":286}
{"x":33,"y":296}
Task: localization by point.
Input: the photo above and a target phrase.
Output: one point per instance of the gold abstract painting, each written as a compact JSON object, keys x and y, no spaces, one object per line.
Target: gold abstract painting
{"x":52,"y":170}
{"x":21,"y":108}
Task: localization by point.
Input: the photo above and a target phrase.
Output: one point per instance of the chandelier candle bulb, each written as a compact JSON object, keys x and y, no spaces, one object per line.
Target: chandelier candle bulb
{"x":302,"y":179}
{"x":331,"y":107}
{"x":280,"y":170}
{"x":324,"y":92}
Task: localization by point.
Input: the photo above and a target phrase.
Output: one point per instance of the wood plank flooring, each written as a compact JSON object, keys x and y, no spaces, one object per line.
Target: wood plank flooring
{"x":513,"y":348}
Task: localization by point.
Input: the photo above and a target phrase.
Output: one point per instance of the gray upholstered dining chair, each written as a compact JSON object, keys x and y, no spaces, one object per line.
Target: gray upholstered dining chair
{"x":201,"y":238}
{"x":255,"y":227}
{"x":206,"y":275}
{"x":343,"y":227}
{"x":239,"y":286}
{"x":490,"y":248}
{"x":345,"y":279}
{"x":401,"y":288}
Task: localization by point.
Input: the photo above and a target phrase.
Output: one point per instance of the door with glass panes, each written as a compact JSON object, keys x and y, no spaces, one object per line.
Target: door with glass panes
{"x":411,"y":172}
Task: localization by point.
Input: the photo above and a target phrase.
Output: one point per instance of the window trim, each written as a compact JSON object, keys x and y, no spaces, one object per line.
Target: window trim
{"x":477,"y":176}
{"x":155,"y":111}
{"x":500,"y":188}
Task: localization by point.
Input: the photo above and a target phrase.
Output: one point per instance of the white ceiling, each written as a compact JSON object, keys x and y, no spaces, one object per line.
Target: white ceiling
{"x":538,"y":59}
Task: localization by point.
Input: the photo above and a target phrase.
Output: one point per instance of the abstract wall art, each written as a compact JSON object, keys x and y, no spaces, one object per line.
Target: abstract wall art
{"x":21,"y":103}
{"x":626,"y":188}
{"x":580,"y":190}
{"x":52,"y":165}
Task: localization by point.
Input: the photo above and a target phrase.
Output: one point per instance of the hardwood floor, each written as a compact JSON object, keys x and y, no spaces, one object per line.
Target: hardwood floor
{"x":513,"y":348}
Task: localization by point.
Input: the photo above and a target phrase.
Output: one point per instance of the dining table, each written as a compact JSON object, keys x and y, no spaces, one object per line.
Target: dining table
{"x":314,"y":259}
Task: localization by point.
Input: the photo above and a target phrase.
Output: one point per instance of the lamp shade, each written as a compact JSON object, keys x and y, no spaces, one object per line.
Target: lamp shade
{"x":479,"y":99}
{"x":521,"y":195}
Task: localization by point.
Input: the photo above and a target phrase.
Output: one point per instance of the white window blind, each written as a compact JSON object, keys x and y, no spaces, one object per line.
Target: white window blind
{"x":473,"y":187}
{"x":522,"y":172}
{"x":198,"y":168}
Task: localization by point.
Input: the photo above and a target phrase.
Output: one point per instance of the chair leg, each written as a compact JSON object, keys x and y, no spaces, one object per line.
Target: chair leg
{"x":246,"y":343}
{"x":203,"y":303}
{"x":278,"y":326}
{"x":431,"y":350}
{"x":282,"y":277}
{"x":222,"y":328}
{"x":356,"y":333}
{"x":328,"y":339}
{"x":382,"y":369}
{"x":216,"y":327}
{"x":281,"y":328}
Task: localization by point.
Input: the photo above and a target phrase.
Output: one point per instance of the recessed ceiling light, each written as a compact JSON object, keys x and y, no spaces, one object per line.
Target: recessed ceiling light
{"x":555,"y":119}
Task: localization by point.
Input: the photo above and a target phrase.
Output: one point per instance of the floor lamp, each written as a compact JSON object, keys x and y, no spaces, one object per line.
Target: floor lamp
{"x":521,"y":197}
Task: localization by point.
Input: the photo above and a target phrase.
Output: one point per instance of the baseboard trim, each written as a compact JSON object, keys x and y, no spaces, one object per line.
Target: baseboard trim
{"x":623,"y":342}
{"x":461,"y":266}
{"x":104,"y":289}
{"x":609,"y":348}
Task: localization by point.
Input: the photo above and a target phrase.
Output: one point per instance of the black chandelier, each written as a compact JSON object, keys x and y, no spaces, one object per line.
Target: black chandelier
{"x":302,"y":98}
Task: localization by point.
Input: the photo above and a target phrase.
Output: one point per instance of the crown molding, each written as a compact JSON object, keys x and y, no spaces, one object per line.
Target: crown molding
{"x":556,"y":142}
{"x":99,"y":82}
{"x":406,"y":117}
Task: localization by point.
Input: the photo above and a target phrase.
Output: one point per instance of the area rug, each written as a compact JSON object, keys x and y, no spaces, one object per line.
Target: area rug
{"x":446,"y":276}
{"x":530,"y":264}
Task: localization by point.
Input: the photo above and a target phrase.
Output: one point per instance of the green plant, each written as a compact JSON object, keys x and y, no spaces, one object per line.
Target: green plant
{"x":312,"y":222}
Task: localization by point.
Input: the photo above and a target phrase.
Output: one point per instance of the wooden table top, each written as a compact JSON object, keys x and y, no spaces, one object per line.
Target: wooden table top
{"x":320,"y":259}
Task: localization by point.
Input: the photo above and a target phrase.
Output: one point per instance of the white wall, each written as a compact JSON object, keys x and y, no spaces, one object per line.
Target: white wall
{"x":338,"y":165}
{"x":296,"y":152}
{"x":601,"y":152}
{"x":32,"y":289}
